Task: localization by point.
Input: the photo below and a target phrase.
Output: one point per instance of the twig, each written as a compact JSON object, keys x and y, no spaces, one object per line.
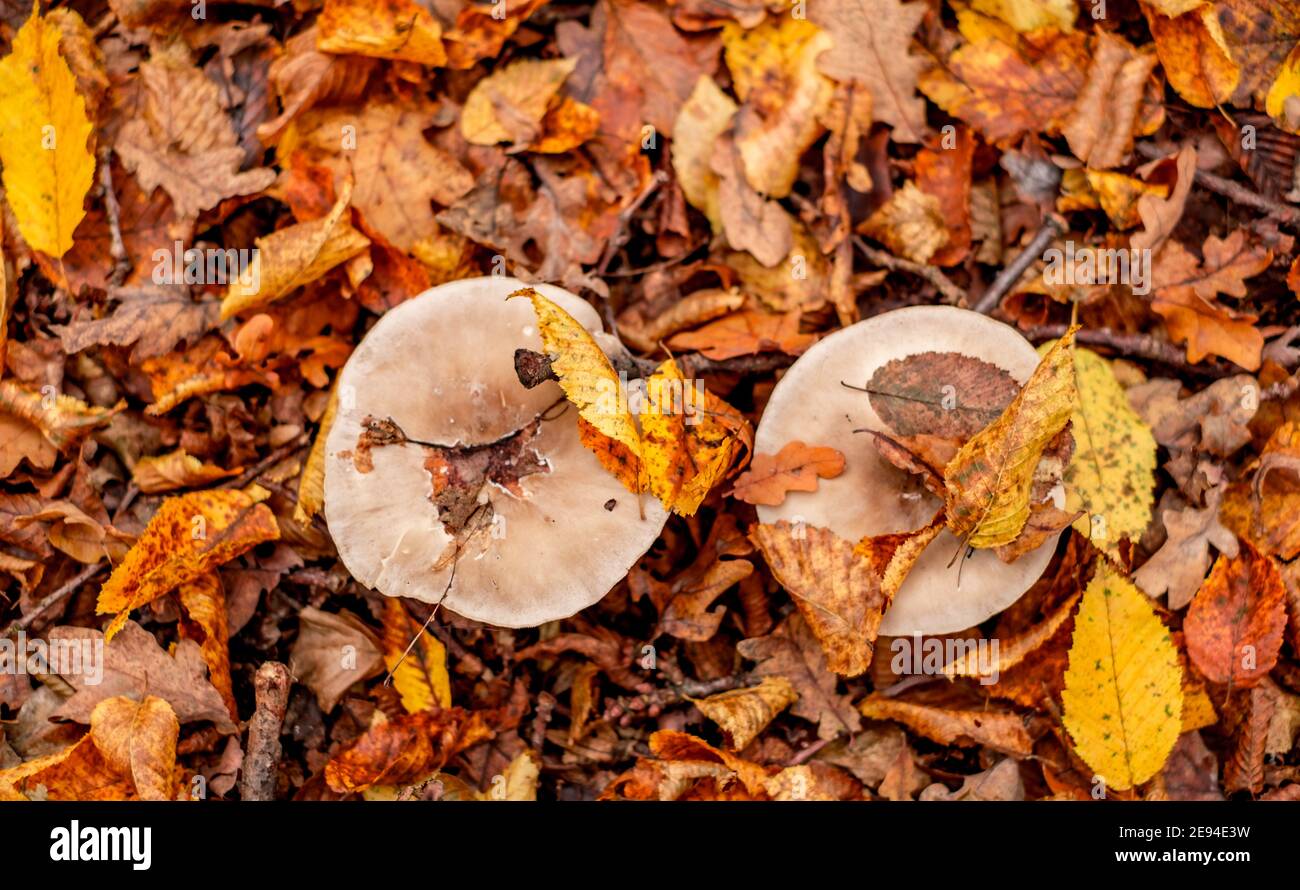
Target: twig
{"x":651,"y":703}
{"x":262,"y":758}
{"x":1011,"y":273}
{"x":26,"y":621}
{"x":807,"y":753}
{"x":620,"y":236}
{"x":116,"y":247}
{"x":1143,"y":346}
{"x":297,"y":442}
{"x":1233,"y":191}
{"x":932,"y":274}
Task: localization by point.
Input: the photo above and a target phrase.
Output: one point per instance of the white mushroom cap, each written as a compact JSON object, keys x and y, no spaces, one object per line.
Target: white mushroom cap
{"x":871,"y":496}
{"x":441,"y":365}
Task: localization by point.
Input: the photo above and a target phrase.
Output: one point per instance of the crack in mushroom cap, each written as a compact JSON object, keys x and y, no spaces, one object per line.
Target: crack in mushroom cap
{"x":872,"y":497}
{"x":442,"y":366}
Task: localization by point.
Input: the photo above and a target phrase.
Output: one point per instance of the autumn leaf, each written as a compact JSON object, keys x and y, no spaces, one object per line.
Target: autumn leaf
{"x":318,"y":654}
{"x":704,"y":117}
{"x":405,"y":749}
{"x":796,"y":467}
{"x":392,"y":29}
{"x":203,"y":602}
{"x":416,"y":659}
{"x":138,"y":740}
{"x":1235,"y":622}
{"x":910,"y":224}
{"x":748,"y":332}
{"x":989,"y":481}
{"x":872,"y":46}
{"x":1111,"y":474}
{"x":1180,"y":564}
{"x":1000,"y":730}
{"x":48,"y":163}
{"x":175,"y":469}
{"x":1100,"y":131}
{"x":509,"y":104}
{"x":1011,"y":652}
{"x":1184,"y":292}
{"x":311,"y":485}
{"x":1194,"y":53}
{"x":841,"y":590}
{"x":744,"y":713}
{"x":292,"y":257}
{"x":62,"y":420}
{"x":1123,"y":696}
{"x":190,"y":535}
{"x":153,"y":318}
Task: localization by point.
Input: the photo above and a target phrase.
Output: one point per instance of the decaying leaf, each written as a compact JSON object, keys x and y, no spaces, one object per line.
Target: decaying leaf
{"x":744,"y":713}
{"x":1234,"y":625}
{"x":796,"y":467}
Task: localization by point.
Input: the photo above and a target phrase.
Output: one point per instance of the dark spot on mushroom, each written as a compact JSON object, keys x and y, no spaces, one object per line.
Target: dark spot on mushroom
{"x":611,"y":504}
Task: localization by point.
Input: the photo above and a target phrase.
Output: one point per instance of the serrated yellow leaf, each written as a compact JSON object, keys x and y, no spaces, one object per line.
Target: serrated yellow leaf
{"x":585,"y":374}
{"x":1111,"y":475}
{"x":417,"y":659}
{"x":989,"y":481}
{"x":44,"y":133}
{"x":1123,"y":696}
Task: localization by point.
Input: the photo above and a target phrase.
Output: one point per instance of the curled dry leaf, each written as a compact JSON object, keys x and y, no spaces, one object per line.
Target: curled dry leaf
{"x":392,"y":29}
{"x":744,"y":713}
{"x":1179,"y":566}
{"x":1001,"y":730}
{"x":137,"y":739}
{"x":405,"y":749}
{"x":1123,"y":697}
{"x":175,"y":469}
{"x":318,"y":655}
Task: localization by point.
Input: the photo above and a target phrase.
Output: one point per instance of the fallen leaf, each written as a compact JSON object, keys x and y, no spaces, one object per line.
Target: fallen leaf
{"x":1179,"y":566}
{"x":1123,"y":696}
{"x":392,"y":29}
{"x":44,"y":145}
{"x":744,"y":713}
{"x":405,"y":749}
{"x":796,"y":467}
{"x":1001,"y":730}
{"x":333,"y":651}
{"x":509,"y":104}
{"x":748,"y":332}
{"x":1235,"y":622}
{"x":421,"y":675}
{"x":138,"y":740}
{"x":943,"y":394}
{"x":155,"y":318}
{"x":1100,"y":129}
{"x":175,"y":469}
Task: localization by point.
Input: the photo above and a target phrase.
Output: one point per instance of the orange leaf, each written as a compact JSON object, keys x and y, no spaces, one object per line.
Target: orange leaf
{"x":1234,"y":625}
{"x":796,"y":467}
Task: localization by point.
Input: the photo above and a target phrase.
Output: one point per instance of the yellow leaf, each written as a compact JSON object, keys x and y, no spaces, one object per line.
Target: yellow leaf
{"x":1111,"y":475}
{"x":585,"y":374}
{"x":509,"y":104}
{"x":1123,"y":697}
{"x":1285,"y":92}
{"x":685,"y":447}
{"x":1030,"y":15}
{"x":1194,"y":54}
{"x":518,"y":782}
{"x":190,"y":535}
{"x":989,"y":481}
{"x":176,"y":469}
{"x":421,"y":677}
{"x":295,"y":256}
{"x":910,"y":224}
{"x":389,"y":29}
{"x":744,"y":713}
{"x":60,"y":419}
{"x":44,"y":133}
{"x":204,"y":603}
{"x":704,"y":117}
{"x":138,"y":739}
{"x":311,"y":485}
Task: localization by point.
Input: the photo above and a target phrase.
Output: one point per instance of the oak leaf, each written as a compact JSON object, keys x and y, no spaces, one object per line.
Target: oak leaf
{"x":155,"y":318}
{"x":1123,"y":696}
{"x":48,"y":163}
{"x":1179,"y":565}
{"x":796,"y":467}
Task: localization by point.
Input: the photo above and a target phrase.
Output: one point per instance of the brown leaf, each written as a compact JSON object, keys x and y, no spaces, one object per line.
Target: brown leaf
{"x":796,"y":467}
{"x":1179,"y":565}
{"x":136,"y":666}
{"x":943,"y":394}
{"x":405,"y":749}
{"x":153,"y":317}
{"x":176,"y":469}
{"x":1235,"y":623}
{"x":746,"y":333}
{"x":1100,"y":129}
{"x":744,"y":713}
{"x":333,"y":651}
{"x":138,"y":739}
{"x":1001,"y":730}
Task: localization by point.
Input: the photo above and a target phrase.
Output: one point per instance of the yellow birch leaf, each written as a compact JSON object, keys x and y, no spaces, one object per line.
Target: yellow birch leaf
{"x":744,"y":713}
{"x":685,"y":447}
{"x":1111,"y":476}
{"x":311,"y":485}
{"x":421,"y":677}
{"x":190,"y":535}
{"x":1123,"y":696}
{"x":294,"y":256}
{"x":989,"y":481}
{"x":585,"y":374}
{"x":44,"y":133}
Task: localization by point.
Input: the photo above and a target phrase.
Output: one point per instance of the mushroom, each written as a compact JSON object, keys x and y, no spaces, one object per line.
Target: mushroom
{"x":872,"y":497}
{"x":447,"y":481}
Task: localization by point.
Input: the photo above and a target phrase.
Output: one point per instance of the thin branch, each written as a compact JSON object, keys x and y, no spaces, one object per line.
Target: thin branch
{"x":116,"y":247}
{"x":534,"y":368}
{"x":1142,"y":346}
{"x":883,"y":258}
{"x":1010,"y":274}
{"x":261,"y":767}
{"x":26,"y":621}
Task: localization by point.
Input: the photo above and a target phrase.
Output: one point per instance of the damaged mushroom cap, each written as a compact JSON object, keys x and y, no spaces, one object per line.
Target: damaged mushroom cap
{"x":871,"y":496}
{"x":534,"y":529}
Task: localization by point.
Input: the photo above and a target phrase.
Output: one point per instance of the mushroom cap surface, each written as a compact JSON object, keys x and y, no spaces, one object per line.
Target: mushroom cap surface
{"x":441,"y":365}
{"x":871,"y":496}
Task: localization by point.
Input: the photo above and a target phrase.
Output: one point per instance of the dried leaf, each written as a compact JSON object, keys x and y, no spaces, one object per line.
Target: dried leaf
{"x":1235,"y":622}
{"x":421,"y":676}
{"x":744,"y":713}
{"x":173,"y":470}
{"x":1001,"y":730}
{"x":796,"y":467}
